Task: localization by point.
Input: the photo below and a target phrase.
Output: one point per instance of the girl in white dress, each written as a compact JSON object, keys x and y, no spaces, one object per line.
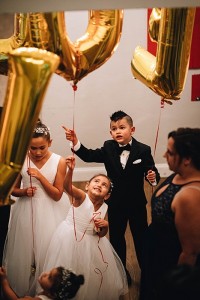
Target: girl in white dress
{"x":41,"y":206}
{"x":58,"y":284}
{"x":80,"y":242}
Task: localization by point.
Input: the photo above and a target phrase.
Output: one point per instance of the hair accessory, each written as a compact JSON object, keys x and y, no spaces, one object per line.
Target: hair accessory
{"x":42,"y":130}
{"x":66,"y":274}
{"x":65,"y":283}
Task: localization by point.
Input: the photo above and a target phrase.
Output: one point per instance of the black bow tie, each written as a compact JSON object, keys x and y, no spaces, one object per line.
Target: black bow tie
{"x":122,"y":148}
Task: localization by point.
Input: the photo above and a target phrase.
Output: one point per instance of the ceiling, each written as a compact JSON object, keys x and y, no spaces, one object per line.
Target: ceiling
{"x":13,"y":6}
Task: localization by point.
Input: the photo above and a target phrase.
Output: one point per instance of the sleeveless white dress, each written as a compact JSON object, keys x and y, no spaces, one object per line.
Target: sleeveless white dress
{"x":32,"y":224}
{"x":75,"y":245}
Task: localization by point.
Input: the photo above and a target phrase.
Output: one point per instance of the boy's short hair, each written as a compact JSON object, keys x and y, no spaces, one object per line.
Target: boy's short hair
{"x":118,"y":115}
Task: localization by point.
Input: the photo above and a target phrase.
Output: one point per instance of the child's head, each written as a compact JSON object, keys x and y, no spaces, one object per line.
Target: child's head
{"x":99,"y":185}
{"x":121,"y":127}
{"x":41,"y":130}
{"x":40,"y":142}
{"x":60,"y":283}
{"x":118,"y":115}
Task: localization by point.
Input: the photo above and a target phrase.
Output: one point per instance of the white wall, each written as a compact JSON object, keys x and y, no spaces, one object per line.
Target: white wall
{"x":111,"y":88}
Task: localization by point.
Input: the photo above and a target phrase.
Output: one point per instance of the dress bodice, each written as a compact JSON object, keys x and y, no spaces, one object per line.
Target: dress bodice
{"x":83,"y":216}
{"x":161,"y":205}
{"x":48,"y":170}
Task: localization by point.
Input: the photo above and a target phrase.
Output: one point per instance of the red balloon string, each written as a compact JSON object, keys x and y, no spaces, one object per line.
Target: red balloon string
{"x":33,"y":232}
{"x":74,"y":86}
{"x":162,"y":102}
{"x":97,"y":270}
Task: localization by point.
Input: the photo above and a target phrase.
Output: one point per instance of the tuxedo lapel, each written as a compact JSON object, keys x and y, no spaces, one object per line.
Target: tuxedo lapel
{"x":133,"y":153}
{"x":116,"y":157}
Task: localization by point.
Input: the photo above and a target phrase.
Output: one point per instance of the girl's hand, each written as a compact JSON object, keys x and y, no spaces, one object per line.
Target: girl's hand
{"x":100,"y":224}
{"x":70,"y":161}
{"x":34,"y":173}
{"x":30,"y":192}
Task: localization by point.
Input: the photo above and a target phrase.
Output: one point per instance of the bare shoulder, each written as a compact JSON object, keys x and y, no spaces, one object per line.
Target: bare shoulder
{"x":62,"y":160}
{"x":188,"y":197}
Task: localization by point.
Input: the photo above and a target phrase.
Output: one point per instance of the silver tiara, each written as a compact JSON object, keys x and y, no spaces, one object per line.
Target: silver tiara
{"x":42,"y":130}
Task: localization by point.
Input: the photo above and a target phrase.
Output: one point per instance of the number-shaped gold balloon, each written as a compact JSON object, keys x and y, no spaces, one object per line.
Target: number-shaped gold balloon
{"x":30,"y":70}
{"x":89,"y":52}
{"x":154,"y":23}
{"x":18,"y":39}
{"x":48,"y":31}
{"x":166,"y":73}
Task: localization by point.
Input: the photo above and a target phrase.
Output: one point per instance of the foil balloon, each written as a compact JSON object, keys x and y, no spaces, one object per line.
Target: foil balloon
{"x":30,"y":70}
{"x":154,"y":22}
{"x":18,"y":39}
{"x":166,"y":73}
{"x":86,"y":54}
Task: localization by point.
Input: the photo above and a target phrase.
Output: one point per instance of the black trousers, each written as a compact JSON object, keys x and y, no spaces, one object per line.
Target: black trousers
{"x":118,"y":220}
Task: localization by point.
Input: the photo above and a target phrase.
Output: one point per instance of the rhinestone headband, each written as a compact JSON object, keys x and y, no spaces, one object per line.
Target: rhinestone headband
{"x":42,"y":130}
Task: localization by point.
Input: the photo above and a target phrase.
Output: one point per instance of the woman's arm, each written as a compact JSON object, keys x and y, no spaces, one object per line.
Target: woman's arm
{"x":187,"y":220}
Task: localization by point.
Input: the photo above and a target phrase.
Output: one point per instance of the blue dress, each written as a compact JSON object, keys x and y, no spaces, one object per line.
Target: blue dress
{"x":162,"y":245}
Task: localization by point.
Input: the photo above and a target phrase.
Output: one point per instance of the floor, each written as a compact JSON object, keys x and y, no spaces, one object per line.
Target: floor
{"x":132,"y":267}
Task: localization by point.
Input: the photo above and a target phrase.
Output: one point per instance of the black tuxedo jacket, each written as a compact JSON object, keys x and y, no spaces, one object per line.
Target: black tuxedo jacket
{"x":128,"y":183}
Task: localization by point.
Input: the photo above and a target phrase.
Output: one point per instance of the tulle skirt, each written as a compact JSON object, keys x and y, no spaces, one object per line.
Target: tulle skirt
{"x":31,"y":227}
{"x":84,"y":253}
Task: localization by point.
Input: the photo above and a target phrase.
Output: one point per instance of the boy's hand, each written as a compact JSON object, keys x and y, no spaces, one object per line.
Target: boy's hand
{"x":151,"y":176}
{"x":70,"y":135}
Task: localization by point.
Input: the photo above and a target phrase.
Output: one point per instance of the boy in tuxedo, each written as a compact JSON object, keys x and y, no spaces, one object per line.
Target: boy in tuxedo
{"x":127,"y":162}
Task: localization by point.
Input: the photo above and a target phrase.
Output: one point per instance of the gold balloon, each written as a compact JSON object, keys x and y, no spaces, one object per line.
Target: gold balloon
{"x":86,"y":54}
{"x":30,"y":70}
{"x":154,"y":22}
{"x":166,"y":73}
{"x":18,"y":39}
